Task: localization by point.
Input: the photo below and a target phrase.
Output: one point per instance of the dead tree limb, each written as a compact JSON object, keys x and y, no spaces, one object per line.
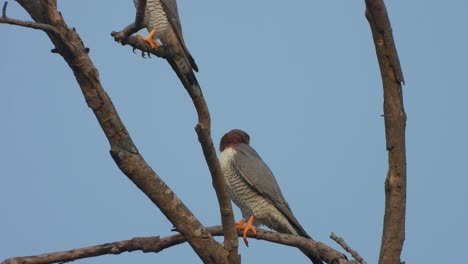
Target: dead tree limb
{"x":157,"y":244}
{"x":69,"y":45}
{"x":203,"y":129}
{"x":395,"y":122}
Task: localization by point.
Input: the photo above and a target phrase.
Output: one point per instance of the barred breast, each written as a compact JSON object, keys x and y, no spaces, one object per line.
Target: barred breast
{"x":250,"y":201}
{"x":155,"y":17}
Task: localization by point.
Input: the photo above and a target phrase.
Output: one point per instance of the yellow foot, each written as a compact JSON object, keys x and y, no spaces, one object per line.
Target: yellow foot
{"x":240,"y":224}
{"x":246,"y":228}
{"x":149,"y":39}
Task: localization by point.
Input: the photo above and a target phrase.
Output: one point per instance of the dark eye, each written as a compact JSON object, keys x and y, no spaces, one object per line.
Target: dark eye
{"x":246,"y":139}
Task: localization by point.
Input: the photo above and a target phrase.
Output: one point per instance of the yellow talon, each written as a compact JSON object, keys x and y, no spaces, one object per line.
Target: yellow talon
{"x":149,"y":39}
{"x":246,"y":228}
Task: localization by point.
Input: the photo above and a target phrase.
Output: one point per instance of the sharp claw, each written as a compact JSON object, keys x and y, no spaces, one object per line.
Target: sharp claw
{"x":246,"y":242}
{"x":248,"y":227}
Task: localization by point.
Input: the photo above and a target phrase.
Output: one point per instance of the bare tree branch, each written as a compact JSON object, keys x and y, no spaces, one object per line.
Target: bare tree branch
{"x":40,"y":26}
{"x":395,"y":122}
{"x":157,"y":244}
{"x":123,"y":150}
{"x":145,"y":244}
{"x":203,"y":129}
{"x":376,"y":14}
{"x":69,"y":45}
{"x":340,"y":241}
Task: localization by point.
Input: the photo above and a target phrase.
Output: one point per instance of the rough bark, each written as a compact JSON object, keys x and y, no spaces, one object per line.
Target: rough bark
{"x":157,"y":244}
{"x":393,"y":234}
{"x":69,"y":45}
{"x":203,"y":129}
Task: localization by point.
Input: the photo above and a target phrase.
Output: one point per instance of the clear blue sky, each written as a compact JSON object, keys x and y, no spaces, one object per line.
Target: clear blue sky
{"x":301,"y":77}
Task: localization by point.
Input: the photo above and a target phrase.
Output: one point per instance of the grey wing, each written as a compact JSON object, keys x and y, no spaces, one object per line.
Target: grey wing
{"x":170,"y":7}
{"x":254,"y":170}
{"x":259,"y":176}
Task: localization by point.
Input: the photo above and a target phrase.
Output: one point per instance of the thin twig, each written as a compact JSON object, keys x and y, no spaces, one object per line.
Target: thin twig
{"x":346,"y":247}
{"x":30,"y":24}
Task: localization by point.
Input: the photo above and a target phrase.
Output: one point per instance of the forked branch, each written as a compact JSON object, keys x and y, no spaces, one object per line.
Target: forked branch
{"x":69,"y":45}
{"x":203,"y":129}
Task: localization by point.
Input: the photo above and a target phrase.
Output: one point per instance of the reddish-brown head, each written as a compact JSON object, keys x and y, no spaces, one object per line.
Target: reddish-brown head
{"x":233,"y":137}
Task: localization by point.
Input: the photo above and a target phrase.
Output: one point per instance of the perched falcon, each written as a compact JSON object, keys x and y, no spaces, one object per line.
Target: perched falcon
{"x":253,"y":188}
{"x":162,"y":21}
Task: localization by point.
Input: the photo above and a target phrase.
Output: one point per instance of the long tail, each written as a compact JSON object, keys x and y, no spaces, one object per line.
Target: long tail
{"x":183,"y":69}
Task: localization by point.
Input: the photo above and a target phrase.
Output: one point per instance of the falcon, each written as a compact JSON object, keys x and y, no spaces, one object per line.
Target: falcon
{"x":253,"y":188}
{"x":161,"y":18}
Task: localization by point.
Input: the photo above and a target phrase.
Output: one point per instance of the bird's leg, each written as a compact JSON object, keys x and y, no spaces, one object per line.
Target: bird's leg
{"x":149,"y":39}
{"x":246,"y":228}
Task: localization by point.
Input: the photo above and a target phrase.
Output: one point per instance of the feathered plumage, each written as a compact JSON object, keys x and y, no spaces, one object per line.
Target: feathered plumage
{"x":253,"y":187}
{"x":162,"y":21}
